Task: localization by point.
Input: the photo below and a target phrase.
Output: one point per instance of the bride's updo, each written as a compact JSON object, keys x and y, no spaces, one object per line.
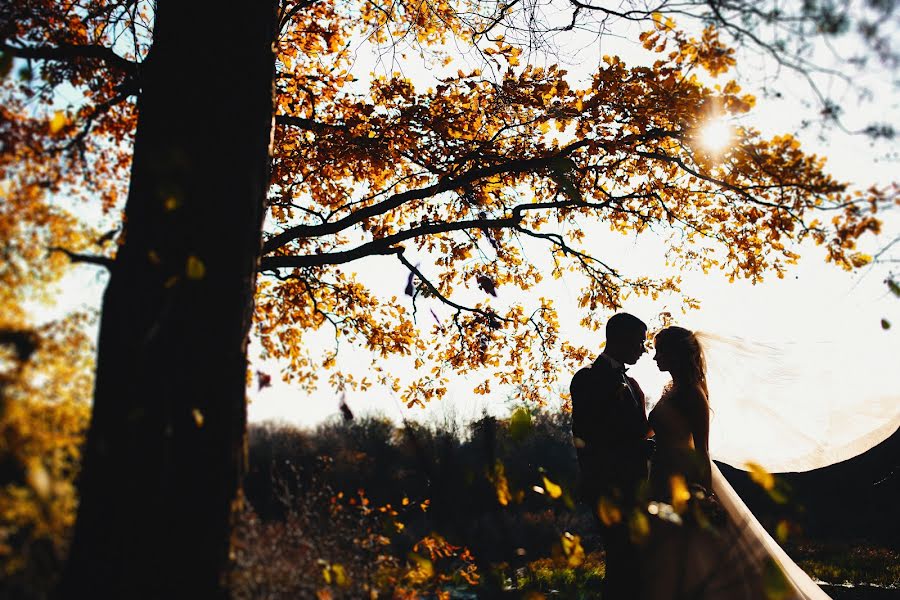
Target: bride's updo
{"x":683,"y":350}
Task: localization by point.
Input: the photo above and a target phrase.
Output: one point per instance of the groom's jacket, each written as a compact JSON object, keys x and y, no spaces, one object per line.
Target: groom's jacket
{"x":609,"y":427}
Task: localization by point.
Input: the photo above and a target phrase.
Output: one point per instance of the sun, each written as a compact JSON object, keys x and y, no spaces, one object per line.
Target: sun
{"x":716,"y":135}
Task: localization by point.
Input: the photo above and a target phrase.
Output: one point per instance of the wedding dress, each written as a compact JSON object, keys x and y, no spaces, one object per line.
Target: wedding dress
{"x":779,"y":409}
{"x":707,"y":548}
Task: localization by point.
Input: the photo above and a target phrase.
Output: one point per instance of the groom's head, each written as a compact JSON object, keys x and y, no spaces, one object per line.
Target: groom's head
{"x":625,"y":338}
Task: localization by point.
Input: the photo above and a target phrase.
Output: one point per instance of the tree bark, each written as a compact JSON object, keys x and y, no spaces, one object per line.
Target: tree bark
{"x":166,"y":447}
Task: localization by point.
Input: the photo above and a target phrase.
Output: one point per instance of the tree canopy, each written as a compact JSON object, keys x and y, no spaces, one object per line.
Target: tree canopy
{"x":462,"y":173}
{"x":133,"y":138}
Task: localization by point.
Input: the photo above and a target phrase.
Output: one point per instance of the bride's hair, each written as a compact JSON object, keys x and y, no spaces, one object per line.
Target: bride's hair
{"x":686,"y":354}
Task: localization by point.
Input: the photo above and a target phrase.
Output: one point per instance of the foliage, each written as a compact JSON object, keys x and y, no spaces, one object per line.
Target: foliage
{"x":465,"y":176}
{"x":838,"y":563}
{"x":532,"y":542}
{"x":44,"y":388}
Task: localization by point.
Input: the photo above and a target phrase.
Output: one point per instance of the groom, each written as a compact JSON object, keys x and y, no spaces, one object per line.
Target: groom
{"x":609,"y":430}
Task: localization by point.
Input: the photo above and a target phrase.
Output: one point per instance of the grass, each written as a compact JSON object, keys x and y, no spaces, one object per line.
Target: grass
{"x":854,"y":564}
{"x":546,"y":575}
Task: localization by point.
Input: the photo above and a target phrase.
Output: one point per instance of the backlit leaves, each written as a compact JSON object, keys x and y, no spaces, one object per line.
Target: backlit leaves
{"x":462,"y":174}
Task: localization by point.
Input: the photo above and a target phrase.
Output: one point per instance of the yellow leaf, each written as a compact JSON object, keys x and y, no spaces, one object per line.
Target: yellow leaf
{"x":38,"y":479}
{"x":553,"y":490}
{"x":498,"y":478}
{"x":422,"y":570}
{"x":680,"y":493}
{"x":198,"y":417}
{"x":860,"y":259}
{"x":638,"y":526}
{"x":58,"y":121}
{"x":782,"y":531}
{"x":571,"y":545}
{"x":195,"y":269}
{"x":608,"y":512}
{"x":762,"y":477}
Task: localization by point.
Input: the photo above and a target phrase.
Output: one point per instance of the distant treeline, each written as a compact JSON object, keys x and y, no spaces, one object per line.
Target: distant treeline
{"x":462,"y":472}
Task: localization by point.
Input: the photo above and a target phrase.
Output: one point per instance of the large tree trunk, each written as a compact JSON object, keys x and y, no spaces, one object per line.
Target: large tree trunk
{"x":165,"y":450}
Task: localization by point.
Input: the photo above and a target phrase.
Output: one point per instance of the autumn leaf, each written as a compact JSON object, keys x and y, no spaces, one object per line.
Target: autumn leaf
{"x":608,"y":511}
{"x":58,"y":121}
{"x":760,"y":476}
{"x":572,"y":549}
{"x":553,"y":490}
{"x":486,"y":284}
{"x":346,"y":413}
{"x":195,"y":268}
{"x":263,"y":380}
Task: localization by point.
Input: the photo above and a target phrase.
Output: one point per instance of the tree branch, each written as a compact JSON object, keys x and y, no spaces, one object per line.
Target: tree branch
{"x":397,"y":200}
{"x":489,"y":315}
{"x":304,"y":123}
{"x":93,"y":259}
{"x":388,"y":244}
{"x":65,"y":52}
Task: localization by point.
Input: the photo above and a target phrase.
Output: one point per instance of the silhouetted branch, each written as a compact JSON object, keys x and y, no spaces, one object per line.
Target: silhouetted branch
{"x":490,"y":315}
{"x":397,"y":200}
{"x":91,"y":259}
{"x":64,"y":52}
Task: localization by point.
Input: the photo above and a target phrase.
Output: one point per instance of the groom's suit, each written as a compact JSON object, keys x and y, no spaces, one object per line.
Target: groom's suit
{"x":609,"y":428}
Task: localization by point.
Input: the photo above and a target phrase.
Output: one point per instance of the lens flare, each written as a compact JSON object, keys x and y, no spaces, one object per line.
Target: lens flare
{"x":716,"y":135}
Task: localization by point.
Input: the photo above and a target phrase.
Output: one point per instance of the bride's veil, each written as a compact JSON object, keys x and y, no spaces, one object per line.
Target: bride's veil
{"x":791,"y":407}
{"x":797,"y":406}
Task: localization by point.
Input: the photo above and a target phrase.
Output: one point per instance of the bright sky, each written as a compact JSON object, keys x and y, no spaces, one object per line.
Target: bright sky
{"x":815,"y":301}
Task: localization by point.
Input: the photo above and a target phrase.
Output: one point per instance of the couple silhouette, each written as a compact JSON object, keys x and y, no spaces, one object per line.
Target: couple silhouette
{"x":672,"y":525}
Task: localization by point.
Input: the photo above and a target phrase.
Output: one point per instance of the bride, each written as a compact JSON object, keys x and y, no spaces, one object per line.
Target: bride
{"x":701,"y":545}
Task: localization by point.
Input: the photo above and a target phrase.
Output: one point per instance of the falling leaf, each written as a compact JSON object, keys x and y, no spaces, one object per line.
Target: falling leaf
{"x":487,"y":285}
{"x":680,"y":493}
{"x":263,"y":380}
{"x":198,"y":417}
{"x":346,"y":413}
{"x":58,"y":121}
{"x":638,"y":526}
{"x":520,"y":424}
{"x":501,"y":485}
{"x":782,"y":531}
{"x":608,"y":512}
{"x":195,"y":269}
{"x":893,"y":286}
{"x":553,"y":490}
{"x":885,"y":324}
{"x":574,"y":552}
{"x":38,"y":479}
{"x":760,"y":476}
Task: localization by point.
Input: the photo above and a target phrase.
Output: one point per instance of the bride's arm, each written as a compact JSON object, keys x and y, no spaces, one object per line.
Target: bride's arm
{"x":700,"y":433}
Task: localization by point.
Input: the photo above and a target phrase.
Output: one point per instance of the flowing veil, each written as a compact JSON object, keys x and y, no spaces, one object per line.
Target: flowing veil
{"x":797,"y":406}
{"x":791,"y":407}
